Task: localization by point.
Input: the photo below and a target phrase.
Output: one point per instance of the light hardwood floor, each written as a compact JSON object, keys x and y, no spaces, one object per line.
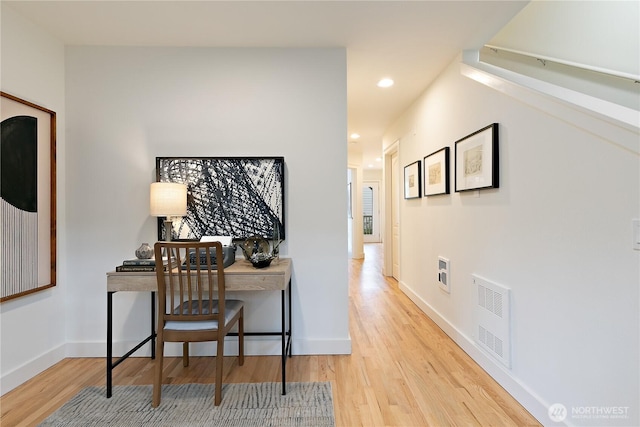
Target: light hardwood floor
{"x":403,"y":371}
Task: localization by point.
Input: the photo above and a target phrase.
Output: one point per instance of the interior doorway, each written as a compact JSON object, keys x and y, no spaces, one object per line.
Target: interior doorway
{"x":371,"y":211}
{"x":395,"y":216}
{"x":354,"y":212}
{"x":391,"y":203}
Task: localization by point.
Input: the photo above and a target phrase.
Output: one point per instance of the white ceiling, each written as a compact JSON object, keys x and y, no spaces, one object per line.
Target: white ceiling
{"x":409,"y":41}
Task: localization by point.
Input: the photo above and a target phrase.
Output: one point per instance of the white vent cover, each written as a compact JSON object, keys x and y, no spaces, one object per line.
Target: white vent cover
{"x":492,"y":319}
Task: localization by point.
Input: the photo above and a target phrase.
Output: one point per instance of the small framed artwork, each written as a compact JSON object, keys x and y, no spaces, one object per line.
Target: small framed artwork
{"x":412,"y":180}
{"x":476,"y":164}
{"x":436,"y":173}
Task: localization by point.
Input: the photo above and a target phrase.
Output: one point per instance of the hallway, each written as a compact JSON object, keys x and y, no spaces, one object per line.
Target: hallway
{"x":404,"y":370}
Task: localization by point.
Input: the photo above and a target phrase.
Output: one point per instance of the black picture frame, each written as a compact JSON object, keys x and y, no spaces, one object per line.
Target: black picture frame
{"x":436,"y":173}
{"x":412,"y":180}
{"x":28,"y":176}
{"x":239,"y":197}
{"x":477,"y":160}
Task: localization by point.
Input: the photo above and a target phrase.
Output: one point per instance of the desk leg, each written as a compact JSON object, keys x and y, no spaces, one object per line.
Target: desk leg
{"x":290,"y":344}
{"x":109,"y":340}
{"x":110,"y":363}
{"x":284,"y":343}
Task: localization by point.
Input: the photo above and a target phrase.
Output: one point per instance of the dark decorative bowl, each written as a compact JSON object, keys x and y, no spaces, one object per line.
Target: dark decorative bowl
{"x":253,"y":246}
{"x":261,"y":260}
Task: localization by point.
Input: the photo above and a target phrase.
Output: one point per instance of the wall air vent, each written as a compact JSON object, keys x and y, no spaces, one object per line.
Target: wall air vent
{"x":493,"y":319}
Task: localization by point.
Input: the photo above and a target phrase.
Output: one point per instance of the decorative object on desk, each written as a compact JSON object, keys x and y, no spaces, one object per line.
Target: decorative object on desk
{"x":412,"y":181}
{"x":222,"y":190}
{"x":135,"y":268}
{"x":28,"y":192}
{"x":275,"y":243}
{"x":169,"y":200}
{"x":476,"y":160}
{"x":228,"y":258}
{"x":150,"y":261}
{"x":254,"y":245}
{"x":142,"y":265}
{"x":261,"y":259}
{"x":138,"y":261}
{"x":144,"y":251}
{"x":258,"y":251}
{"x":228,"y":248}
{"x":305,"y":404}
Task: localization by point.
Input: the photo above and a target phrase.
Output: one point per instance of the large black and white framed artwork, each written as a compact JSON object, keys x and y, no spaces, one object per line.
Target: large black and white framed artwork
{"x":28,"y":202}
{"x":476,"y":160}
{"x":227,"y":196}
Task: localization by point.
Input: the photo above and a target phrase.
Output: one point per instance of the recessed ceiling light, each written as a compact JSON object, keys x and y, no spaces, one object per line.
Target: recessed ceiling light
{"x":378,"y":159}
{"x":386,"y":82}
{"x":370,"y":166}
{"x":355,"y":135}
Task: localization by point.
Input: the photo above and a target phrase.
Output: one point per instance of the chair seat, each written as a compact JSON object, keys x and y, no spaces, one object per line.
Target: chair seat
{"x":232,"y":307}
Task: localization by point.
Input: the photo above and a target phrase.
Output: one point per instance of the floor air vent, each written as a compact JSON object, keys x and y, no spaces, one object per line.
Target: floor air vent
{"x":492,"y":319}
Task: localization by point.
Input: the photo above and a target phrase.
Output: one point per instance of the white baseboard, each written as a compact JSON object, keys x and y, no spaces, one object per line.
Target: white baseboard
{"x":322,"y":346}
{"x":254,"y":346}
{"x":527,"y":398}
{"x":261,"y":347}
{"x":30,"y":369}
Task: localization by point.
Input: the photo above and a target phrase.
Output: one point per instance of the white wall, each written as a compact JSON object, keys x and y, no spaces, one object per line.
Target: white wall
{"x":32,"y":328}
{"x":372,"y":174}
{"x":600,"y":34}
{"x":126,"y":106}
{"x":557,"y":232}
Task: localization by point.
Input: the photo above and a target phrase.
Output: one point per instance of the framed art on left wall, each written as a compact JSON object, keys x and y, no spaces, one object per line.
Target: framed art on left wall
{"x":28,"y":197}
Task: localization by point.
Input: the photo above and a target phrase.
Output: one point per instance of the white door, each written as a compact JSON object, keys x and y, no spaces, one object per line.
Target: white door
{"x":371,"y":211}
{"x":395,"y":216}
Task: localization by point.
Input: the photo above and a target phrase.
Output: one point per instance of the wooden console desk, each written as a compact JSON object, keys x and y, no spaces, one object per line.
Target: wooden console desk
{"x":240,"y":276}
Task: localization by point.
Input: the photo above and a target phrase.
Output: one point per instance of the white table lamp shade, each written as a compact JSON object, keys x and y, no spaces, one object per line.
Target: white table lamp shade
{"x":168,"y":199}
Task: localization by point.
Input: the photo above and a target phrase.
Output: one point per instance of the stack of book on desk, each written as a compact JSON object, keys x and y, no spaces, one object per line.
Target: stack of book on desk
{"x":133,"y":265}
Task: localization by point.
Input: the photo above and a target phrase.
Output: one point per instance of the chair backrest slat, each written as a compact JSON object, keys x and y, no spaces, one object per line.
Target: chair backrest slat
{"x":192,"y":283}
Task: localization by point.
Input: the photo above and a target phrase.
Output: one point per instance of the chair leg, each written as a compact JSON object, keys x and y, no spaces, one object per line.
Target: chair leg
{"x":157,"y":381}
{"x":241,"y":338}
{"x":185,"y":354}
{"x":219,"y":359}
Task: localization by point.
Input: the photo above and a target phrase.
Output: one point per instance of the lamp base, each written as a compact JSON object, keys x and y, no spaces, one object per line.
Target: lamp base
{"x":168,"y":229}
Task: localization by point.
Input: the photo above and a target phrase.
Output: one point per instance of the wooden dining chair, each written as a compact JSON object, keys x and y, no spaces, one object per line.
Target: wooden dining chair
{"x":192,"y":305}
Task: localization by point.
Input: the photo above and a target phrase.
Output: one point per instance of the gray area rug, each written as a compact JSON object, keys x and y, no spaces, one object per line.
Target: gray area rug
{"x":243,"y":405}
